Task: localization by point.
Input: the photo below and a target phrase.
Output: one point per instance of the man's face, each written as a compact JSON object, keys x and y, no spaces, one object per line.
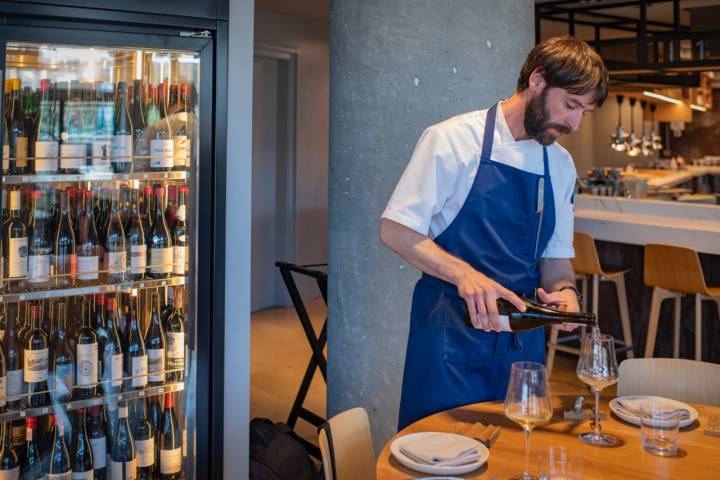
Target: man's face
{"x":553,"y":112}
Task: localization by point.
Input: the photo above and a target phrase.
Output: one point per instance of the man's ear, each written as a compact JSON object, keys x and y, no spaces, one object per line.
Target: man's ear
{"x":536,"y":82}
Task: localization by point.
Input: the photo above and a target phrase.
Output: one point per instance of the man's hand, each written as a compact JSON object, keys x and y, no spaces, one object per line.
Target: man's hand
{"x":481,"y":294}
{"x":563,"y":300}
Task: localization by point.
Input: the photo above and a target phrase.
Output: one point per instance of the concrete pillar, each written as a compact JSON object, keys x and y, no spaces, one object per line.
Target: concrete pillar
{"x":397,"y":66}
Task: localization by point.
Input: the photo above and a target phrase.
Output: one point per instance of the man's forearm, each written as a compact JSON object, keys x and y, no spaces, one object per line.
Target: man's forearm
{"x":556,"y":273}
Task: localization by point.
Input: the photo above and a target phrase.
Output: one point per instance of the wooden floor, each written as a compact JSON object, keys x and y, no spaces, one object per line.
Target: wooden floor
{"x":280,"y":353}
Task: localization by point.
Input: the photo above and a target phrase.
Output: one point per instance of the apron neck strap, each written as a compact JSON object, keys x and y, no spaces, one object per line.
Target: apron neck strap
{"x":489,"y":132}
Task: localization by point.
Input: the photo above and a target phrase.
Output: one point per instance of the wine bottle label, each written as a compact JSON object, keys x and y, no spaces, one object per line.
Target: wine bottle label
{"x":12,"y":474}
{"x":3,"y":391}
{"x":504,"y":322}
{"x":181,"y":213}
{"x":156,"y":364}
{"x":87,"y":363}
{"x":38,"y":268}
{"x":182,"y":150}
{"x":63,"y":380}
{"x":138,"y":258}
{"x":116,"y":370}
{"x":6,"y":157}
{"x":89,"y":475}
{"x":60,"y":476}
{"x":21,"y":148}
{"x":170,"y":460}
{"x":123,"y":470}
{"x":87,"y":267}
{"x":65,"y":263}
{"x":14,"y":382}
{"x":99,"y":449}
{"x":36,"y":365}
{"x":161,"y":153}
{"x":101,"y":151}
{"x":17,"y":257}
{"x":17,"y":435}
{"x":72,"y":155}
{"x":139,"y":371}
{"x":179,"y":256}
{"x":161,"y":260}
{"x":122,"y":148}
{"x":175,"y":350}
{"x":2,"y":332}
{"x":145,"y":451}
{"x":46,"y":156}
{"x":116,"y":262}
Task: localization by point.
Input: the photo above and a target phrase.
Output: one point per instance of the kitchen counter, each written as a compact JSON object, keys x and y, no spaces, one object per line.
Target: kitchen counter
{"x":672,"y":178}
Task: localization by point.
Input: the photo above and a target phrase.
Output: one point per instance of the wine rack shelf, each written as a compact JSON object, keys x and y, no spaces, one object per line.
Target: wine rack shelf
{"x":93,"y":176}
{"x":14,"y":413}
{"x":91,"y":289}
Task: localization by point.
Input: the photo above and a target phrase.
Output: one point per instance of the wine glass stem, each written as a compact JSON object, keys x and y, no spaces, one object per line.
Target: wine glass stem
{"x":596,"y":428}
{"x":528,"y":431}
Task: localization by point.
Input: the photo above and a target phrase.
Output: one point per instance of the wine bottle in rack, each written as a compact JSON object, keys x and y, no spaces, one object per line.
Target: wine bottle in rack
{"x":82,"y":454}
{"x":170,"y":442}
{"x":182,"y":128}
{"x":115,"y":261}
{"x":33,"y":467}
{"x":141,"y":144}
{"x":155,"y":344}
{"x":155,"y":413}
{"x":144,"y":436}
{"x":111,"y":424}
{"x":162,"y":146}
{"x":113,"y":350}
{"x":122,"y":143}
{"x":123,"y":463}
{"x":9,"y":461}
{"x":175,"y":335}
{"x":36,"y":358}
{"x":161,"y":251}
{"x":98,"y":441}
{"x":46,"y":141}
{"x":103,"y":129}
{"x":146,"y":211}
{"x":170,"y":206}
{"x":99,"y":325}
{"x":86,"y":345}
{"x":179,"y":234}
{"x":6,"y":150}
{"x":3,"y":380}
{"x":88,"y":245}
{"x":13,"y":361}
{"x":15,"y":243}
{"x":59,"y":467}
{"x":65,"y":256}
{"x":40,"y":245}
{"x":136,"y":359}
{"x":62,"y":360}
{"x":72,"y":149}
{"x":135,"y":242}
{"x":16,"y":132}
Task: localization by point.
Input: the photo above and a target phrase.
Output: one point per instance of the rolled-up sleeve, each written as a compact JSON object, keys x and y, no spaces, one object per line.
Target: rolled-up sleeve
{"x":561,"y":242}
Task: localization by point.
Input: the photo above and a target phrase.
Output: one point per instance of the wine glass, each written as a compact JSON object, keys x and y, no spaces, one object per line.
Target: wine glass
{"x":527,"y":401}
{"x":598,"y":368}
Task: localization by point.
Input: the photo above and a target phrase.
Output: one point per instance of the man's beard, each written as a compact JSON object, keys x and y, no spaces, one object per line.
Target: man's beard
{"x":536,"y":121}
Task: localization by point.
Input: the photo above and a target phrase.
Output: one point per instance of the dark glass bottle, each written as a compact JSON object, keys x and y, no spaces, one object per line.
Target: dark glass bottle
{"x":65,"y":257}
{"x":15,"y":243}
{"x":135,"y":242}
{"x":113,"y":350}
{"x":144,"y":436}
{"x":12,"y":349}
{"x":73,"y":150}
{"x":33,"y":467}
{"x":17,"y":135}
{"x":122,"y":142}
{"x":59,"y":465}
{"x":536,"y":315}
{"x":136,"y":360}
{"x":115,"y":261}
{"x":46,"y":141}
{"x":179,"y":234}
{"x":62,"y":359}
{"x":175,"y":337}
{"x":155,"y":344}
{"x":88,"y":245}
{"x":3,"y":375}
{"x":40,"y":245}
{"x":86,"y":345}
{"x":162,"y":146}
{"x":36,"y":358}
{"x":123,"y":460}
{"x":82,"y":456}
{"x":99,"y":325}
{"x":182,"y":141}
{"x":98,"y":441}
{"x":9,"y":461}
{"x":141,"y":144}
{"x":170,"y":442}
{"x":160,"y":242}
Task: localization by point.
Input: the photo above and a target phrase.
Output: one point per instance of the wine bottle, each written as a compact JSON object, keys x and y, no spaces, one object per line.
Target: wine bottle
{"x":36,"y":358}
{"x":162,"y":146}
{"x":536,"y":315}
{"x":86,"y":345}
{"x":146,"y":212}
{"x":65,"y":257}
{"x":170,"y":442}
{"x":13,"y":361}
{"x":181,"y":138}
{"x":82,"y":458}
{"x":113,"y":351}
{"x":88,"y":255}
{"x":161,"y":251}
{"x":175,"y":336}
{"x":46,"y":141}
{"x":141,"y":143}
{"x":122,"y":143}
{"x":40,"y":246}
{"x":115,"y":244}
{"x":123,"y":463}
{"x":9,"y":461}
{"x":111,"y":423}
{"x":104,"y":128}
{"x":33,"y":467}
{"x":98,"y":324}
{"x":155,"y":413}
{"x":98,"y":441}
{"x":170,"y":207}
{"x":155,"y":344}
{"x":15,"y":242}
{"x":144,"y":436}
{"x":17,"y":135}
{"x":59,"y":467}
{"x":72,"y":149}
{"x":3,"y":380}
{"x":62,"y":360}
{"x":136,"y":360}
{"x":135,"y":242}
{"x":179,"y":234}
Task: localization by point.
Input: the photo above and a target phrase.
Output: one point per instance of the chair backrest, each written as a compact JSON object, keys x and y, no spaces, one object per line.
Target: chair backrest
{"x":346,"y":447}
{"x":676,"y":378}
{"x":586,"y":259}
{"x":673,"y":268}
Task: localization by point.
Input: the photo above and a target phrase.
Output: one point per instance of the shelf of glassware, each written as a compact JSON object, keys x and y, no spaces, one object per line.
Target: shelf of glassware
{"x":91,"y":289}
{"x":93,"y":177}
{"x":14,"y":413}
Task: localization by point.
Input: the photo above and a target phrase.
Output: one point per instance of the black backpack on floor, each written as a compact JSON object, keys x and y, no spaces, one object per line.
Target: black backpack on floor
{"x":276,"y":453}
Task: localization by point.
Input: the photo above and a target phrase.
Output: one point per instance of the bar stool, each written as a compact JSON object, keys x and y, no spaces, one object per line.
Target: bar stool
{"x":674,"y":271}
{"x":587,"y":266}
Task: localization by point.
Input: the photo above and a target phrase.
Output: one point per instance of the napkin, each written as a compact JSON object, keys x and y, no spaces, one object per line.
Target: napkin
{"x":631,"y":406}
{"x":442,"y":449}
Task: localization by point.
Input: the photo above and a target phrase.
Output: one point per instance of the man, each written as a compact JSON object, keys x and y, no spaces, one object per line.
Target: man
{"x":484,"y":209}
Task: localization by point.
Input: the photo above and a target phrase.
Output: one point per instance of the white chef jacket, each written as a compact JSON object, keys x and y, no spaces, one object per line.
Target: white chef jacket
{"x":441,"y":172}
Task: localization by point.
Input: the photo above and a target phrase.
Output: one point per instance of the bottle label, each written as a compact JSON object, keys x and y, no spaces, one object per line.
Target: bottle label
{"x":36,"y":365}
{"x":145,"y":451}
{"x":161,"y":153}
{"x":17,"y":435}
{"x":17,"y":258}
{"x":60,"y":476}
{"x":87,"y":267}
{"x":122,"y":148}
{"x":2,"y":332}
{"x":6,"y":157}
{"x":12,"y":474}
{"x":99,"y":449}
{"x":101,"y":151}
{"x":38,"y":268}
{"x":139,"y":371}
{"x":171,"y":461}
{"x":123,"y":470}
{"x":175,"y":350}
{"x":182,"y":150}
{"x":504,"y":322}
{"x":3,"y":391}
{"x":63,"y":380}
{"x":46,"y":156}
{"x":156,"y":364}
{"x":65,"y":264}
{"x":87,"y":363}
{"x":116,"y":370}
{"x":21,"y":148}
{"x":179,"y":256}
{"x":89,"y":475}
{"x":161,"y":260}
{"x":14,"y":382}
{"x":138,"y":258}
{"x":116,"y":262}
{"x":181,"y":212}
{"x":72,"y":155}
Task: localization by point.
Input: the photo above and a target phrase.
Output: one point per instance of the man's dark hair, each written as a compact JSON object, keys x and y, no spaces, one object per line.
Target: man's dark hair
{"x":568,"y":63}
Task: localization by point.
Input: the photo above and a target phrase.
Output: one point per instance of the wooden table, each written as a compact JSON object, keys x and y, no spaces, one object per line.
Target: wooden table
{"x":698,"y":458}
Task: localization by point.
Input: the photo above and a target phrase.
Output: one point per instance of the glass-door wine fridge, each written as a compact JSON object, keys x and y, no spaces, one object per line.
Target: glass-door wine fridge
{"x":106,"y":203}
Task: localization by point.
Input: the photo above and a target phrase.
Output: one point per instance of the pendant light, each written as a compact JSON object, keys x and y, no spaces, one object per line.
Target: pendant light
{"x":618,"y":137}
{"x":655,"y":139}
{"x":645,"y":143}
{"x":633,"y":143}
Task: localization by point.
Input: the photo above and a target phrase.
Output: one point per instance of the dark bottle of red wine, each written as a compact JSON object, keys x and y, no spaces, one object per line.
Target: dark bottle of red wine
{"x":135,"y":242}
{"x":155,"y":413}
{"x":160,"y":242}
{"x":86,"y":345}
{"x":175,"y":336}
{"x":9,"y":461}
{"x":98,"y":441}
{"x":115,"y":261}
{"x":36,"y":358}
{"x":144,"y":436}
{"x":88,"y":244}
{"x":15,"y":243}
{"x":82,"y":457}
{"x":179,"y":233}
{"x":155,"y":344}
{"x":123,"y":462}
{"x":59,"y":465}
{"x":62,"y":360}
{"x":40,"y":245}
{"x":112,"y":351}
{"x":13,"y":361}
{"x":536,"y":315}
{"x":122,"y":142}
{"x":65,"y":258}
{"x":146,"y":211}
{"x":33,"y":467}
{"x":98,"y":324}
{"x":140,"y":143}
{"x":136,"y":360}
{"x":170,"y":442}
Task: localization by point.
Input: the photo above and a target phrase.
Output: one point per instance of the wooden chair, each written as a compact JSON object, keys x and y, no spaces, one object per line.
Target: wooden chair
{"x":587,"y":266}
{"x":679,"y":379}
{"x":346,"y":447}
{"x":673,"y":271}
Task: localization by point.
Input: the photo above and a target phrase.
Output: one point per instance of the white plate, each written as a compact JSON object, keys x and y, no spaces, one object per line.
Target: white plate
{"x":635,"y":420}
{"x":436,"y":469}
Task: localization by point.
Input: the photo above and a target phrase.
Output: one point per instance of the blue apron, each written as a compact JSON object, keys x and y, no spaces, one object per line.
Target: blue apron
{"x":501,"y":230}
